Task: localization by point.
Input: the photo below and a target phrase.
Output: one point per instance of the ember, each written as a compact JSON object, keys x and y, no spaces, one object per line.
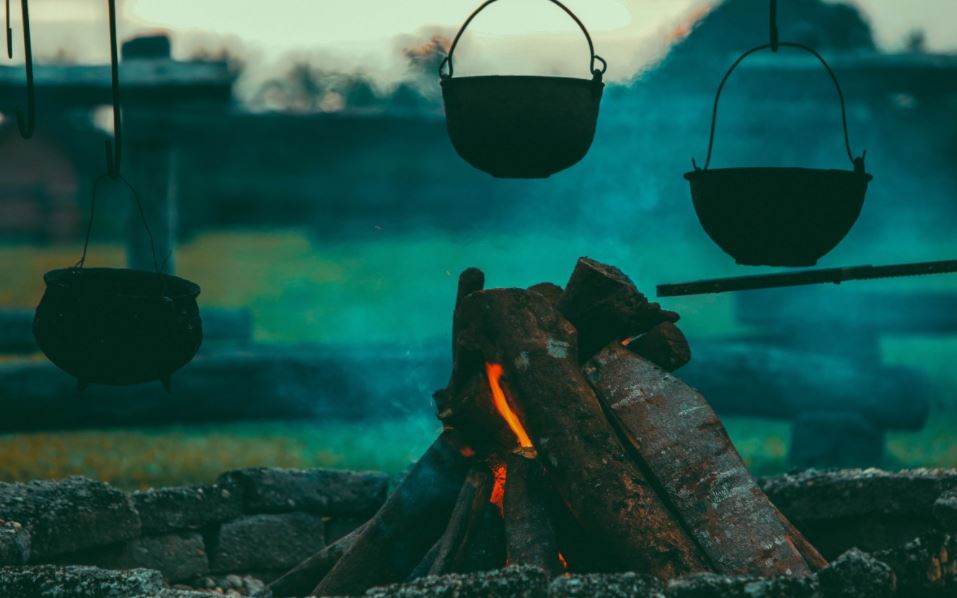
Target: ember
{"x":592,"y":457}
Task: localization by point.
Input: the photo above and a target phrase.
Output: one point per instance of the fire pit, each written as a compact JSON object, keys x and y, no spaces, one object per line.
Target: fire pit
{"x":568,"y":446}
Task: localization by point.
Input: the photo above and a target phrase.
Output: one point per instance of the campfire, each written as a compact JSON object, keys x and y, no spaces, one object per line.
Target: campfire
{"x":568,"y":445}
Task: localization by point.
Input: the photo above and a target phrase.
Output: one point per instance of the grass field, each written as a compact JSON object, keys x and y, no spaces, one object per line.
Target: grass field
{"x":395,"y":290}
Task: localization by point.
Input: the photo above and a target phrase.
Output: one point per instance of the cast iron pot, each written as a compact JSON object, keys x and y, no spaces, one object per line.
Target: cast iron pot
{"x":778,"y":216}
{"x":522,"y":126}
{"x":118,"y":327}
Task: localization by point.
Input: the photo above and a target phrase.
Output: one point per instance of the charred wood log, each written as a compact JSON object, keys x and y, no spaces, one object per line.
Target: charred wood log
{"x":529,"y":536}
{"x":677,"y":435}
{"x":604,"y":305}
{"x":486,"y":548}
{"x":586,"y":462}
{"x":664,"y":345}
{"x":301,"y":580}
{"x":549,"y":290}
{"x":471,"y":502}
{"x":409,"y":522}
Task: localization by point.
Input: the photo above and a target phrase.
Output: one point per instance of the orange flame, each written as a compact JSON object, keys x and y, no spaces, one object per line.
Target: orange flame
{"x":498,"y":488}
{"x":561,"y":559}
{"x":494,"y":372}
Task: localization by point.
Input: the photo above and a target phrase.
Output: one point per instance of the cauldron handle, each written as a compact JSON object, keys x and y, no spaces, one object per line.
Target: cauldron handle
{"x":857,"y":162}
{"x":595,"y":58}
{"x":139,"y":208}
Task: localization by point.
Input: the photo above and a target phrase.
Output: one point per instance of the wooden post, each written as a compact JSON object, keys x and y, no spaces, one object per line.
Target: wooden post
{"x":150,"y":170}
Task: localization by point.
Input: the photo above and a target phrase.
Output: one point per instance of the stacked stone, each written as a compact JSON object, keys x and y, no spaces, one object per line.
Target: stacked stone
{"x":258,"y":522}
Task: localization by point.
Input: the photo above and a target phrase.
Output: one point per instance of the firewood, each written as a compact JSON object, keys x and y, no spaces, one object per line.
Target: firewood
{"x":301,"y":580}
{"x":529,"y":536}
{"x":485,"y":549}
{"x":468,"y":407}
{"x":604,"y":305}
{"x":679,"y":438}
{"x":410,"y":521}
{"x":468,"y":509}
{"x":583,"y":551}
{"x":812,"y":557}
{"x":580,"y":450}
{"x":549,"y":290}
{"x":664,"y":345}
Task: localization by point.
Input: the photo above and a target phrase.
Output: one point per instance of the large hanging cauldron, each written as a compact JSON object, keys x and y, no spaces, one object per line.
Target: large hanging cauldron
{"x":522,"y":126}
{"x":778,"y":216}
{"x":118,"y":327}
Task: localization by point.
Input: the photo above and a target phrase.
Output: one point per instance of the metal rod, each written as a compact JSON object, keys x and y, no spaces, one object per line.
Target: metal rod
{"x":114,"y":148}
{"x":805,"y":277}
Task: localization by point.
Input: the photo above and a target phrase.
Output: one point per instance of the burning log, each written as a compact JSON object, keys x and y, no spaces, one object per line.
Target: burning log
{"x":604,"y":305}
{"x":301,"y":580}
{"x":409,"y":522}
{"x":486,"y":550}
{"x":677,"y":434}
{"x":529,"y":536}
{"x":548,"y":290}
{"x":471,"y":502}
{"x":587,"y":464}
{"x":664,"y":345}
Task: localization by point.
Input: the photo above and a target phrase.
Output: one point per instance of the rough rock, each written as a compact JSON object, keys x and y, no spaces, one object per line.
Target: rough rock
{"x":68,"y":515}
{"x":177,"y":556}
{"x":606,"y":585}
{"x":868,"y":509}
{"x":712,"y":585}
{"x":324,"y":491}
{"x":926,"y":566}
{"x":815,"y":495}
{"x":247,"y":585}
{"x":14,"y":543}
{"x":266,"y":542}
{"x":165,"y":510}
{"x":945,"y":511}
{"x":512,"y":582}
{"x":52,"y":581}
{"x":856,"y":574}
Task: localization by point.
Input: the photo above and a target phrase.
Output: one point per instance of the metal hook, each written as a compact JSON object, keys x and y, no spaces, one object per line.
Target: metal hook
{"x":27,"y":123}
{"x":114,"y":151}
{"x":774,"y":26}
{"x":9,"y":33}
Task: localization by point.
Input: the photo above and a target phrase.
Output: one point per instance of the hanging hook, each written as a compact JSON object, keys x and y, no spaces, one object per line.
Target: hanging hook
{"x":774,"y":26}
{"x":27,"y":123}
{"x":9,"y":33}
{"x":114,"y":151}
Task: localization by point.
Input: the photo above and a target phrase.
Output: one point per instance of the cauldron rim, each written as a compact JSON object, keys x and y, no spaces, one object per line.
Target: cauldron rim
{"x":697,"y":174}
{"x":517,"y":78}
{"x":176,"y":288}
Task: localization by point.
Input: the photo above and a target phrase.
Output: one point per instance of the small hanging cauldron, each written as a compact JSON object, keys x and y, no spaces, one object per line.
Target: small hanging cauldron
{"x":522,"y":126}
{"x":778,"y":216}
{"x":118,"y":327}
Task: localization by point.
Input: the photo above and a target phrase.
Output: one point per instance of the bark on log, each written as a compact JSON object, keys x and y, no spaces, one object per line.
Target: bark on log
{"x":468,"y":509}
{"x":409,"y":522}
{"x":529,"y":535}
{"x":549,"y":290}
{"x":814,"y":559}
{"x":678,"y":436}
{"x":604,"y":305}
{"x":664,"y":345}
{"x":301,"y":580}
{"x":586,"y":461}
{"x":485,"y":550}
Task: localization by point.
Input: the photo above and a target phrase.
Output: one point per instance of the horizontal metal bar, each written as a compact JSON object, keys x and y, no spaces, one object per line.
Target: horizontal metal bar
{"x":805,"y":277}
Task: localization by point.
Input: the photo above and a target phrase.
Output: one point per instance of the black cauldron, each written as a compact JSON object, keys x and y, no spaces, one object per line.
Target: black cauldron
{"x":778,"y":216}
{"x":522,"y":126}
{"x":116,"y":326}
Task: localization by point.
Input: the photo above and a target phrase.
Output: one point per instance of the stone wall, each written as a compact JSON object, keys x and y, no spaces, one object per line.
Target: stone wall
{"x":250,"y":521}
{"x":886,"y":534}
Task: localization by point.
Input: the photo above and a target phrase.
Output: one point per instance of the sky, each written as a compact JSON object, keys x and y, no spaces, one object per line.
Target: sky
{"x":367,"y":34}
